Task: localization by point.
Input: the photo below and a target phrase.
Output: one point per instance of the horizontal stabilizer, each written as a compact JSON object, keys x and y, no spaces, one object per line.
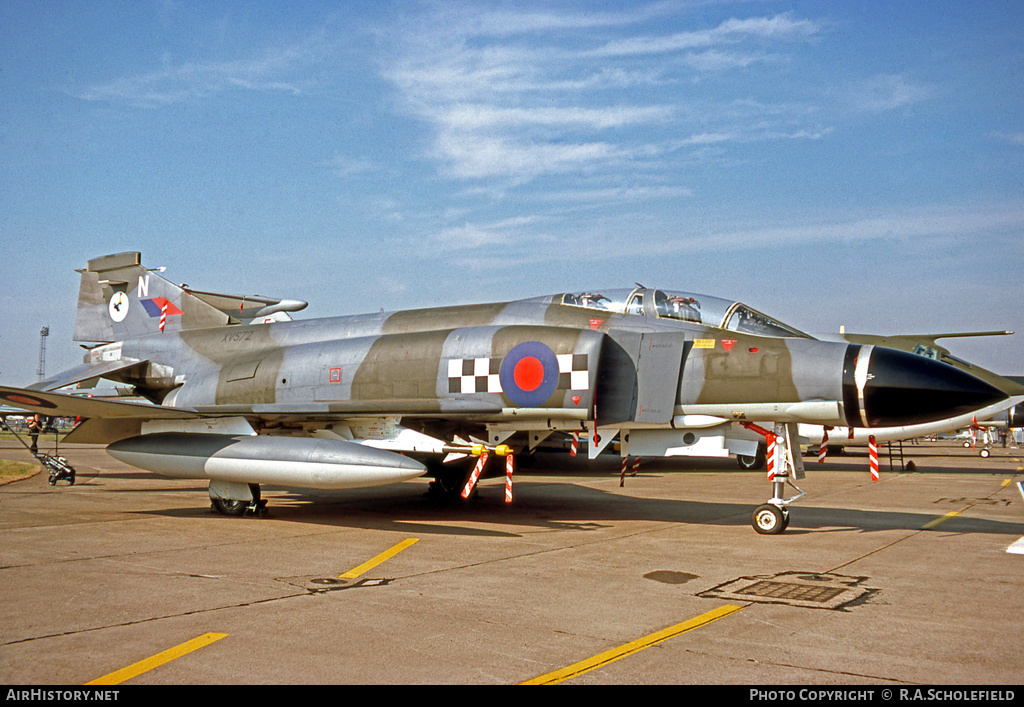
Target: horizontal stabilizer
{"x":248,"y":307}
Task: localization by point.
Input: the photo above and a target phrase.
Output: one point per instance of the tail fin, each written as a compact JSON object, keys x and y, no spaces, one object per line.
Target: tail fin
{"x":119,"y":299}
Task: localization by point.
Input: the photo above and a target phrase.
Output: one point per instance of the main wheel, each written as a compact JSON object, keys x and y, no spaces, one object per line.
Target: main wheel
{"x":755,"y":462}
{"x":769,"y":519}
{"x":229,"y":508}
{"x":235,"y":507}
{"x":449,"y":480}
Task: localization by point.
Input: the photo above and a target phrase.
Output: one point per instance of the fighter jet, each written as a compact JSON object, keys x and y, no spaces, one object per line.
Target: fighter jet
{"x":242,"y":395}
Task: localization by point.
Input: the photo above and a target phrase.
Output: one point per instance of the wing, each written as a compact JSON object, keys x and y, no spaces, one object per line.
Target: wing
{"x":85,"y":372}
{"x":63,"y":405}
{"x":104,"y":421}
{"x":919,"y":343}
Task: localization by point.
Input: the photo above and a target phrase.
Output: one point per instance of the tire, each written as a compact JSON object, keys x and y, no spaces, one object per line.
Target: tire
{"x":755,"y":462}
{"x":229,"y":508}
{"x":232,"y":507}
{"x":769,"y":519}
{"x":450,"y":479}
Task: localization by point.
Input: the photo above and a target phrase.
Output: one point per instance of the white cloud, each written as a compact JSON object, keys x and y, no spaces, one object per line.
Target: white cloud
{"x":468,"y":236}
{"x":470,"y":155}
{"x":1011,"y":138}
{"x":885,"y":92}
{"x":936,"y":224}
{"x":276,"y":71}
{"x":478,"y":117}
{"x":780,"y":28}
{"x":511,"y":95}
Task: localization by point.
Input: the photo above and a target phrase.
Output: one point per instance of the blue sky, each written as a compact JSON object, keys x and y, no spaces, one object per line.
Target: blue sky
{"x":856,"y":164}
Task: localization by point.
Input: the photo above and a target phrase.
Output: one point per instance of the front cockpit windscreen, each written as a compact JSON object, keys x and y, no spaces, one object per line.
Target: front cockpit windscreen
{"x":683,"y":306}
{"x":749,"y":321}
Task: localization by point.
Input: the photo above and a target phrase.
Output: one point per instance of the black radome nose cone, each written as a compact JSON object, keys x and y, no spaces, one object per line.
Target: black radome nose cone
{"x":906,"y":389}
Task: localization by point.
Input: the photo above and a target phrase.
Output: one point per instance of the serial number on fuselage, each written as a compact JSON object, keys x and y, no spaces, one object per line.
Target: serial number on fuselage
{"x":237,"y":336}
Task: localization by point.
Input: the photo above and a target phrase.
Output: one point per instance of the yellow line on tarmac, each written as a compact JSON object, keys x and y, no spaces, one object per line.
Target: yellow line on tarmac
{"x":370,"y":564}
{"x":610,"y":656}
{"x":932,"y":523}
{"x":119,"y":676}
{"x":953,"y":514}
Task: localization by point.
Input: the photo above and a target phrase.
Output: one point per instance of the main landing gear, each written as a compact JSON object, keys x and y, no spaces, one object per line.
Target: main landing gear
{"x":231,"y":498}
{"x":784,"y":465}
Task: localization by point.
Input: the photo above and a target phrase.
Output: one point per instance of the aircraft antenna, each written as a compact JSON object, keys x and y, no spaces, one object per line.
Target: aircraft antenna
{"x":42,"y":351}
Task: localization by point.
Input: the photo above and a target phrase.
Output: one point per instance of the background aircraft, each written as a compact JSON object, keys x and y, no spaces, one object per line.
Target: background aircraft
{"x":241,"y":395}
{"x":1007,"y":414}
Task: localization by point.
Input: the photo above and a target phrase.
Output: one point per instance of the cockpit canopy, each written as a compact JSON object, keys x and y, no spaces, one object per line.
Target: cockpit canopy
{"x":683,"y":306}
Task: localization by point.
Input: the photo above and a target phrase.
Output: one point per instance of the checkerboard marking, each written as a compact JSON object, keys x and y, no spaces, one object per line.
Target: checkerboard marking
{"x":480,"y":375}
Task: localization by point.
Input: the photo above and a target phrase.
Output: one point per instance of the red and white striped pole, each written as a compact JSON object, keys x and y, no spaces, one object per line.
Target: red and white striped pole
{"x":625,"y":466}
{"x":770,"y":458}
{"x":575,"y":444}
{"x":508,"y":478}
{"x":163,"y":316}
{"x":873,"y":457}
{"x":475,"y":475}
{"x":823,"y":449}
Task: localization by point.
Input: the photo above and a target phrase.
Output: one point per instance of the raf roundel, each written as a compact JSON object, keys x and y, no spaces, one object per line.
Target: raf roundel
{"x":529,"y":374}
{"x":29,"y":400}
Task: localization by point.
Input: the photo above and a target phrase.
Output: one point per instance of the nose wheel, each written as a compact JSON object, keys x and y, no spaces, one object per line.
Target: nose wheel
{"x":769,"y":519}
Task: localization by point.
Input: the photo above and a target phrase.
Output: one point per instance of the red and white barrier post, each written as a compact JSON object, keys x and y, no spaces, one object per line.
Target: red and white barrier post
{"x":873,"y":457}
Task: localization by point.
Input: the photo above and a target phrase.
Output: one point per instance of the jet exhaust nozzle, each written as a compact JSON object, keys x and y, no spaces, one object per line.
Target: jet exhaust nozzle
{"x":300,"y":462}
{"x":885,"y":387}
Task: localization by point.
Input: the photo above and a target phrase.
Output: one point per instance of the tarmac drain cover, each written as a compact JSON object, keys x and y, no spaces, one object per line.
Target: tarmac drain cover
{"x":813,"y":591}
{"x":670,"y":577}
{"x":326,"y":584}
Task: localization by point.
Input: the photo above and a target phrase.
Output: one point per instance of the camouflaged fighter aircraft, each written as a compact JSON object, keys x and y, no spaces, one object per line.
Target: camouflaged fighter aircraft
{"x":242,"y":395}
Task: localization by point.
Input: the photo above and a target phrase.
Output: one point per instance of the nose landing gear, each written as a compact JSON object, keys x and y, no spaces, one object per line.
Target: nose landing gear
{"x":783,"y":465}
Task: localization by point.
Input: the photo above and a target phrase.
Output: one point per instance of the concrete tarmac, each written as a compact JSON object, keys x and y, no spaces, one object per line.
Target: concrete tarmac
{"x":910,"y":580}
